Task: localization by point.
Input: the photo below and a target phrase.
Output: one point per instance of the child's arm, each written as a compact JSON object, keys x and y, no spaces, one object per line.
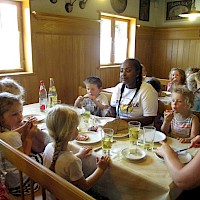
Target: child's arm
{"x":78,"y":101}
{"x":27,"y":137}
{"x":168,"y":116}
{"x":87,"y":183}
{"x":111,"y":112}
{"x":98,"y":104}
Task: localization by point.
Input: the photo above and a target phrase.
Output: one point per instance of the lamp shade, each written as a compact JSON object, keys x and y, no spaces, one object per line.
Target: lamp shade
{"x":191,"y":14}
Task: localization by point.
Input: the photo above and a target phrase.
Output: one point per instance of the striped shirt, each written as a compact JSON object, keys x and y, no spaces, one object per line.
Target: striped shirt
{"x":181,"y":129}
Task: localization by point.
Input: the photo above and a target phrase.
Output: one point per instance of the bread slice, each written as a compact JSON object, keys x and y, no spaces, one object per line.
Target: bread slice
{"x":118,"y":125}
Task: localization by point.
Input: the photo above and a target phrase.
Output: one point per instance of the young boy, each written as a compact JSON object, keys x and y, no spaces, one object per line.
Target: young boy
{"x":93,"y":98}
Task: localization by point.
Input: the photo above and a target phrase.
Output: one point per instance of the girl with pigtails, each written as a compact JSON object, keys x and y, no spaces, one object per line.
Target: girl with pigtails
{"x":62,"y":122}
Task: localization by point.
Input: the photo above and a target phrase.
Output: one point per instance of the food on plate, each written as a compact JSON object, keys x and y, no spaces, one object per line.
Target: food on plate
{"x":82,"y":137}
{"x":93,"y":128}
{"x":119,"y":126}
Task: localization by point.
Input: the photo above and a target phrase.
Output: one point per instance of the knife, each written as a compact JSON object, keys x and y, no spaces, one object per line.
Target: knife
{"x":97,"y":149}
{"x":180,"y":150}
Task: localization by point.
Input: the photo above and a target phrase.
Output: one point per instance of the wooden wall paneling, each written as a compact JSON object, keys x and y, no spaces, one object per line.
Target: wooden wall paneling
{"x":197,"y":55}
{"x":174,"y":53}
{"x":180,"y":53}
{"x":169,"y":58}
{"x":186,"y":50}
{"x":69,"y":52}
{"x":143,"y":47}
{"x":162,"y":68}
{"x":192,"y":55}
{"x":110,"y":76}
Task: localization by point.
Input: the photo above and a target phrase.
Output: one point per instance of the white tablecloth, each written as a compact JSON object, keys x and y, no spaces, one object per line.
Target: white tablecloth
{"x":123,"y":180}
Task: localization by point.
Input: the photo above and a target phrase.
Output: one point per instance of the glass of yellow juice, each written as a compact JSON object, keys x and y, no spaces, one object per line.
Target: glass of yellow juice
{"x":134,"y":130}
{"x":107,"y":140}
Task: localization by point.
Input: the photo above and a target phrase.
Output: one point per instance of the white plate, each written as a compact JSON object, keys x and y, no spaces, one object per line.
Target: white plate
{"x":184,"y":157}
{"x":94,"y":137}
{"x":159,"y":136}
{"x":38,"y":117}
{"x":133,"y":154}
{"x":119,"y":135}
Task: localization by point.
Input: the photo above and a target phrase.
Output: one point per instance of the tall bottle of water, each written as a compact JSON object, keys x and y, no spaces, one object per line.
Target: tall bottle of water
{"x":52,"y":95}
{"x":42,"y":97}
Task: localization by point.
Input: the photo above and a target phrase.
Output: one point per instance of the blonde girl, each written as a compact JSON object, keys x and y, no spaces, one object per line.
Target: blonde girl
{"x":62,"y":122}
{"x":180,"y":122}
{"x":177,"y":78}
{"x":11,"y":108}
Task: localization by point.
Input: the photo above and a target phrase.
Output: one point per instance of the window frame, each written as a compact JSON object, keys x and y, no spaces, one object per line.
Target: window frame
{"x":24,"y":39}
{"x":131,"y":34}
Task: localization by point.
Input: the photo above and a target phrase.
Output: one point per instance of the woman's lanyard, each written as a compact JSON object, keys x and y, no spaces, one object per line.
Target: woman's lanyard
{"x":119,"y":103}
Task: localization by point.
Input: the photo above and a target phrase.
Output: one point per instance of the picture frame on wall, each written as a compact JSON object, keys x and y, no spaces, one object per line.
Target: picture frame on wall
{"x":144,"y":10}
{"x":174,"y":8}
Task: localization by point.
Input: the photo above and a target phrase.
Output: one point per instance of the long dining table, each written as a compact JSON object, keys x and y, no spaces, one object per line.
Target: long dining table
{"x":147,"y":178}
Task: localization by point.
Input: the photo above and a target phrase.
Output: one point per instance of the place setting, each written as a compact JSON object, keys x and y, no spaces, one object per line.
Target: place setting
{"x":183,"y":155}
{"x":141,"y":141}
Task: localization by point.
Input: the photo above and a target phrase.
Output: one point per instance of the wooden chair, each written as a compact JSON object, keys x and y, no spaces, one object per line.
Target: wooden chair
{"x":197,"y":114}
{"x":58,"y":186}
{"x":164,"y":83}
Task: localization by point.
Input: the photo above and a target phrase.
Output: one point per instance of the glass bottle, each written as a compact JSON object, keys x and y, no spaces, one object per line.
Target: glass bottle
{"x":52,"y":95}
{"x":42,"y":97}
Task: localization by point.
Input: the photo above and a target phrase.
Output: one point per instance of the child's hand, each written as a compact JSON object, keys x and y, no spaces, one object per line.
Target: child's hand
{"x":31,"y":129}
{"x":84,"y":152}
{"x":103,"y":162}
{"x":80,"y":98}
{"x":195,"y":142}
{"x":168,"y":116}
{"x":174,"y":80}
{"x":93,"y":98}
{"x":184,"y":140}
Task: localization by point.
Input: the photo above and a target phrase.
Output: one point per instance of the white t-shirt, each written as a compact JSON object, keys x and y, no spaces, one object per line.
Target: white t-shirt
{"x":97,"y":111}
{"x":68,"y":166}
{"x":145,"y":103}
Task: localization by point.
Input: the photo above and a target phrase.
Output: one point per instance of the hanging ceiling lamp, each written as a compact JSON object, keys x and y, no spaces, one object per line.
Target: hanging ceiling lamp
{"x":191,"y":14}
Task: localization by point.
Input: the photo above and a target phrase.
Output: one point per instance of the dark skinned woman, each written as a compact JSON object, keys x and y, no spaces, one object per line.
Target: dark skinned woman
{"x":133,"y":99}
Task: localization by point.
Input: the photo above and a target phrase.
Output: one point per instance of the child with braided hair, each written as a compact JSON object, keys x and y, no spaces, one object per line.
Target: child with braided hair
{"x":62,"y":122}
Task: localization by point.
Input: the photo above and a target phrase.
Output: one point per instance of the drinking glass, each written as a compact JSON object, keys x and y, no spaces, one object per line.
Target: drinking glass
{"x":87,"y":110}
{"x":107,"y":140}
{"x":134,"y":129}
{"x":148,"y":137}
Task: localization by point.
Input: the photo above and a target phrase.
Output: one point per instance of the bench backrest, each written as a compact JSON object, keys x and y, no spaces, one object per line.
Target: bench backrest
{"x":58,"y":186}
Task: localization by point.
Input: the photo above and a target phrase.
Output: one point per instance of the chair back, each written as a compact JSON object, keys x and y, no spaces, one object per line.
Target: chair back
{"x":47,"y":179}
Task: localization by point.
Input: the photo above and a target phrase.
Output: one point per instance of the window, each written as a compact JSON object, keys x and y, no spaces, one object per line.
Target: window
{"x":115,"y":40}
{"x":12,"y":54}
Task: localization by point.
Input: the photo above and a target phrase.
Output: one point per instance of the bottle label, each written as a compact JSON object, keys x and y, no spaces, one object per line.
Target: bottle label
{"x":43,"y":107}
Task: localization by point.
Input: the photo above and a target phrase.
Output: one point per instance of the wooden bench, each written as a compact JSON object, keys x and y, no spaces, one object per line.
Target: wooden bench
{"x":58,"y":186}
